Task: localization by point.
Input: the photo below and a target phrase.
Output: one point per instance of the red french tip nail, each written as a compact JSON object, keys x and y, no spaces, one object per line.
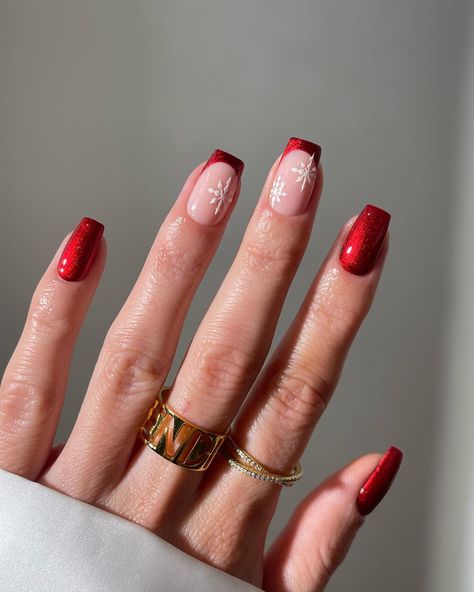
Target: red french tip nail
{"x":364,"y":241}
{"x":306,"y":145}
{"x":80,"y":251}
{"x":230,"y":159}
{"x":380,"y":481}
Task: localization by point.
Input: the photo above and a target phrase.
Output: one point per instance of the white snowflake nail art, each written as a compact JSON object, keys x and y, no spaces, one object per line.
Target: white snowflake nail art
{"x":221,"y":195}
{"x":277,"y":192}
{"x":306,"y":173}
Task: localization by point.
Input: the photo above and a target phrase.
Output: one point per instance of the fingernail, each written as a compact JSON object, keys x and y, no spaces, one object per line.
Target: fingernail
{"x":377,"y":485}
{"x":215,"y":188}
{"x":364,"y":241}
{"x":295,"y":177}
{"x":80,"y":251}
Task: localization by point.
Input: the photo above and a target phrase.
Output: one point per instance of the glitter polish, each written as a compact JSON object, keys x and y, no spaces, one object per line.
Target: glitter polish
{"x":215,"y":188}
{"x":230,"y":159}
{"x":380,"y":481}
{"x":364,"y":240}
{"x":80,"y":250}
{"x":295,"y":177}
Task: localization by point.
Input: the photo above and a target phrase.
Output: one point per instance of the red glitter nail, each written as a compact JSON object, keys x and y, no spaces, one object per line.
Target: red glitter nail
{"x":379,"y":482}
{"x":230,"y":159}
{"x":364,"y":241}
{"x":80,"y":251}
{"x":306,"y":145}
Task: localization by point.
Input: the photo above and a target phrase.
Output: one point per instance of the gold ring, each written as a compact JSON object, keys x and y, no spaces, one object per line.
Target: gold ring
{"x":178,"y":440}
{"x":240,"y":459}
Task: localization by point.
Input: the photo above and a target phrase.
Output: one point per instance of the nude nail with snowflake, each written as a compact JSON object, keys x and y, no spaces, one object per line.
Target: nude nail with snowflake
{"x":215,"y":188}
{"x":295,"y":177}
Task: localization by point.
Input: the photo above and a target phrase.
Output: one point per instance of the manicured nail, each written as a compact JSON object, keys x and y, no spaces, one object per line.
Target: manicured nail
{"x":377,"y":485}
{"x":215,"y":189}
{"x":364,"y":241}
{"x":295,"y":176}
{"x":80,"y":251}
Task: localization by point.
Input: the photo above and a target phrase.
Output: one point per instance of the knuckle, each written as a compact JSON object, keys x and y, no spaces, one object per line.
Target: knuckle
{"x":220,"y":545}
{"x":219,"y":540}
{"x":334,"y":309}
{"x":269,"y":253}
{"x":128,"y":370}
{"x":223,"y":367}
{"x":172,"y":263}
{"x":24,"y":404}
{"x":47,"y":319}
{"x":296,"y":401}
{"x":335,"y":317}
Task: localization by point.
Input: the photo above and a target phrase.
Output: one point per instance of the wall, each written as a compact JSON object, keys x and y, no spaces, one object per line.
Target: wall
{"x":104,"y":107}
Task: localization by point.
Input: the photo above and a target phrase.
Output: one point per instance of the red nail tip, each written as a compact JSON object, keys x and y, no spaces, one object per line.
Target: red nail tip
{"x":364,"y":241}
{"x":80,"y":251}
{"x":377,"y":485}
{"x":230,"y":159}
{"x":299,"y":144}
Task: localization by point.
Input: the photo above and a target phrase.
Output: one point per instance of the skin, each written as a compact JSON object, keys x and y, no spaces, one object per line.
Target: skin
{"x":273,"y":416}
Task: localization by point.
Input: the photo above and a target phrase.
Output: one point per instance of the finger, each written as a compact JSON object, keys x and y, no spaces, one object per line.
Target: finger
{"x":321,"y":530}
{"x":33,"y":386}
{"x":295,"y":387}
{"x":140,"y":345}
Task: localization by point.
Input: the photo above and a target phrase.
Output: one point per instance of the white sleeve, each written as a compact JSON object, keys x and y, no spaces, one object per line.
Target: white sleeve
{"x":50,"y":542}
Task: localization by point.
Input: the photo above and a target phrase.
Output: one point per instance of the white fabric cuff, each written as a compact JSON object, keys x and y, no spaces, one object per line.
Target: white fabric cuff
{"x":51,"y":542}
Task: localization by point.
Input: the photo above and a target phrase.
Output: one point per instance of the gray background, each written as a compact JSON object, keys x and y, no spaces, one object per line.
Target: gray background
{"x":105,"y":105}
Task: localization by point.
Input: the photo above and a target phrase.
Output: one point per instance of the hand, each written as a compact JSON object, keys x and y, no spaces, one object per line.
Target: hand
{"x":220,"y":515}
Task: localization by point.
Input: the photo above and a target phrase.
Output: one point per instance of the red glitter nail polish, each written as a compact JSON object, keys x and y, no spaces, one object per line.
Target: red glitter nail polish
{"x":377,"y":485}
{"x":306,"y":145}
{"x":364,"y":241}
{"x":230,"y":159}
{"x":80,"y":250}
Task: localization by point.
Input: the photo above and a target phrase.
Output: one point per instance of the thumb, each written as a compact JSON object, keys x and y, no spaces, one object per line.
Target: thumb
{"x":321,"y":530}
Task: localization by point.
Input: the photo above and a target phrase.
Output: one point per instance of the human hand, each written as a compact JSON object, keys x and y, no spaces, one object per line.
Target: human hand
{"x":219,"y":515}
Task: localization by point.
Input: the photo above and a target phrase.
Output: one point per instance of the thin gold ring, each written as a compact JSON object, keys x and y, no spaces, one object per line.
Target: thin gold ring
{"x":243,"y":461}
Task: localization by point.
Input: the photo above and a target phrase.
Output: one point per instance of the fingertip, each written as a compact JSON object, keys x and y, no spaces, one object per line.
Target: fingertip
{"x":364,"y":240}
{"x":379,"y":481}
{"x":80,"y":251}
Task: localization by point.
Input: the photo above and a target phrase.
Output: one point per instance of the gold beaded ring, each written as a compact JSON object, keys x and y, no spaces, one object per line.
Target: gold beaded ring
{"x":251,"y":467}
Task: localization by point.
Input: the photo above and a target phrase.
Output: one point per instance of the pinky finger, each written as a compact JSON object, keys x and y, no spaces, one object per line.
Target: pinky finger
{"x":320,"y":532}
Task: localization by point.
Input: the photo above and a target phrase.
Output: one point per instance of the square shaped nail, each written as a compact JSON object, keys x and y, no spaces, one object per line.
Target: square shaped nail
{"x":215,"y":188}
{"x":295,"y":177}
{"x":364,"y":241}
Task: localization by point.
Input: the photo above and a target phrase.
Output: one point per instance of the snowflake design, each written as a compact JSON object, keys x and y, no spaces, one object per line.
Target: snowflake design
{"x":221,"y":195}
{"x":306,"y":173}
{"x":277,"y":192}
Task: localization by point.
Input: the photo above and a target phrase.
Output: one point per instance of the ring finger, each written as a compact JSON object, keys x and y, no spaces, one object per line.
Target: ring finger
{"x":294,"y":388}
